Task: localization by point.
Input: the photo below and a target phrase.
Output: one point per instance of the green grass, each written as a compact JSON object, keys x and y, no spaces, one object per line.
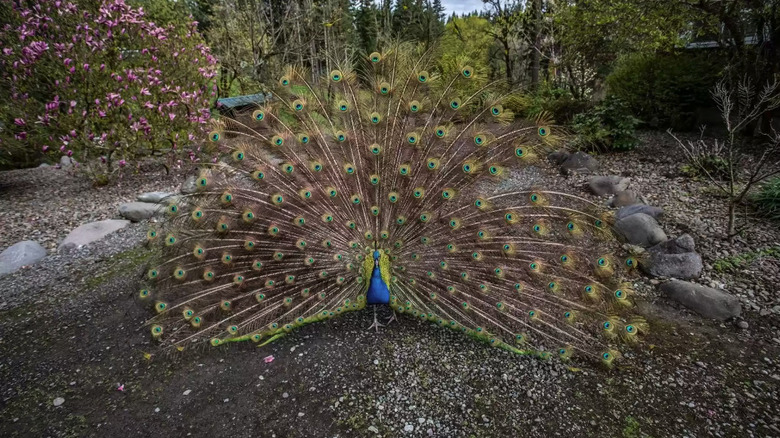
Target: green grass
{"x":631,"y":428}
{"x":123,"y":262}
{"x":740,"y":260}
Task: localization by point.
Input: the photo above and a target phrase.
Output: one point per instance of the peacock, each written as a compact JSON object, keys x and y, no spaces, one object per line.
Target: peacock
{"x":389,"y":182}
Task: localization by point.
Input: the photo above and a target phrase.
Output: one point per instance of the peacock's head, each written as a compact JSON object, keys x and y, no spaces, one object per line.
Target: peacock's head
{"x":377,"y":254}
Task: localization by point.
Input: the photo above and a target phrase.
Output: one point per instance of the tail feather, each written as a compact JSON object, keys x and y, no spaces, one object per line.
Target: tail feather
{"x":393,"y":157}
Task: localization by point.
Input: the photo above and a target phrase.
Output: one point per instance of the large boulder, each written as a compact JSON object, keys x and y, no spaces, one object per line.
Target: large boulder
{"x":24,"y":253}
{"x":607,"y":185}
{"x":706,"y":301}
{"x":88,"y":233}
{"x":559,"y":157}
{"x":157,"y":197}
{"x":138,"y":211}
{"x":66,"y":161}
{"x":655,"y":212}
{"x":189,"y":187}
{"x":579,"y":162}
{"x":674,"y":258}
{"x":641,"y":229}
{"x":624,"y":198}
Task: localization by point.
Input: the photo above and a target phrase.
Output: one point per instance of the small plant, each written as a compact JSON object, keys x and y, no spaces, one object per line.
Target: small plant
{"x":767,"y":200}
{"x":740,"y":105}
{"x":740,"y":260}
{"x":712,"y":165}
{"x":608,"y":126}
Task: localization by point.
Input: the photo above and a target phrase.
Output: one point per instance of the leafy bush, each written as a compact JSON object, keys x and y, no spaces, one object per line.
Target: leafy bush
{"x":559,"y":103}
{"x":767,"y":200}
{"x":665,"y":90}
{"x":609,"y":126}
{"x":97,"y":80}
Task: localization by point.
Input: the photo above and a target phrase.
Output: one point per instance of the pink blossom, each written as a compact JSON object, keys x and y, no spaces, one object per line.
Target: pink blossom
{"x":70,"y":153}
{"x":45,"y":148}
{"x":171,"y":116}
{"x":19,"y":122}
{"x":72,"y":103}
{"x":122,"y":163}
{"x":86,"y":66}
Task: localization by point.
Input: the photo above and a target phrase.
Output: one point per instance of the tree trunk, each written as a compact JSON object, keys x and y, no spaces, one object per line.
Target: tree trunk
{"x":536,"y":37}
{"x":732,"y":227}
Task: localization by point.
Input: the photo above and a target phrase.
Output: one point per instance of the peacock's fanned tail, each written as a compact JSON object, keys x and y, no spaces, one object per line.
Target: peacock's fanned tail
{"x":398,"y":159}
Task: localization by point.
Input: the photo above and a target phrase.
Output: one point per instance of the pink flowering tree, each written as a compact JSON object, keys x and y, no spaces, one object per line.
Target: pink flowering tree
{"x":97,"y":81}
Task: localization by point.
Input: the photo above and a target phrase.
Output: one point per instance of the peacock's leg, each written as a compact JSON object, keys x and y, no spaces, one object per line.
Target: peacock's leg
{"x":376,"y":323}
{"x":392,"y":318}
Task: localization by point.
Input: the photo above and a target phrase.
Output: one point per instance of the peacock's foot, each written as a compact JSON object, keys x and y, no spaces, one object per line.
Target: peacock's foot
{"x":376,"y":323}
{"x":392,"y":318}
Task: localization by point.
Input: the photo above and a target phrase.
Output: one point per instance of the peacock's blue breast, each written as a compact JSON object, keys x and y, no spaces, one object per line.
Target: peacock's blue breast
{"x":377,"y":289}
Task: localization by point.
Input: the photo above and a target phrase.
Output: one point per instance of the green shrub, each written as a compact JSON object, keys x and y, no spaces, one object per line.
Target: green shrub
{"x":717,"y":167}
{"x":609,"y":126}
{"x":549,"y":102}
{"x":767,"y":200}
{"x":556,"y":102}
{"x":665,"y":90}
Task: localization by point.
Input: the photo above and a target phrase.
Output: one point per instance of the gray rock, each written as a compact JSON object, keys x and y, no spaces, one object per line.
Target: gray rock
{"x":66,"y":161}
{"x":674,"y":258}
{"x":188,"y":187}
{"x":641,"y":229}
{"x":44,"y":165}
{"x":655,"y":212}
{"x":579,"y":162}
{"x":624,"y":198}
{"x":88,"y":233}
{"x":607,"y":185}
{"x":138,"y":211}
{"x":156,"y":197}
{"x":24,"y":253}
{"x":706,"y":301}
{"x":58,"y":401}
{"x":559,"y":157}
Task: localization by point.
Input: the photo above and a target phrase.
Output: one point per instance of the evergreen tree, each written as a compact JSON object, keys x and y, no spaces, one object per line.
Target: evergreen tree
{"x":366,"y":24}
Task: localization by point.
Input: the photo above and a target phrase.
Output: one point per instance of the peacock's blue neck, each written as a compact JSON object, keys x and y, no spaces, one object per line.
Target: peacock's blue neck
{"x":378,"y":293}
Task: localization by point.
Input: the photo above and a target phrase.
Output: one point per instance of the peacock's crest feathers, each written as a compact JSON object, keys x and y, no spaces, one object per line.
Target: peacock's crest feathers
{"x":388,"y":156}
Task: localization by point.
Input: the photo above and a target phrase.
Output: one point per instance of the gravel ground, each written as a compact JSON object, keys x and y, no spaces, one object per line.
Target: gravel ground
{"x":45,"y":204}
{"x":71,"y":332}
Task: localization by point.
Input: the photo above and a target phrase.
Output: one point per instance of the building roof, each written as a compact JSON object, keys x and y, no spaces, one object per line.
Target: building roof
{"x":239,"y":101}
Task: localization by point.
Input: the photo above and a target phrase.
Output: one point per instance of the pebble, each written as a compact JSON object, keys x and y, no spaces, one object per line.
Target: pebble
{"x":156,"y":410}
{"x":743,"y":324}
{"x":285,"y":395}
{"x":225,"y":400}
{"x":187,"y":392}
{"x":408,"y":428}
{"x":373,"y":429}
{"x":58,"y":401}
{"x":301,"y":414}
